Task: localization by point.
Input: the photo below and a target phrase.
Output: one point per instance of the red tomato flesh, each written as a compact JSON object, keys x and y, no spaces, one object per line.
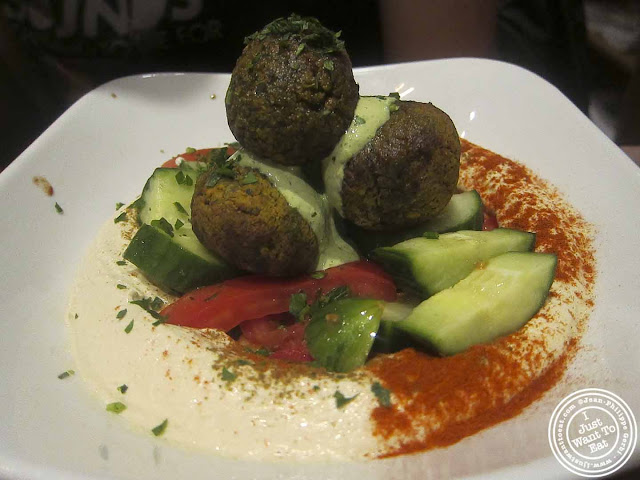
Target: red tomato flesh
{"x":280,"y":334}
{"x":227,"y":304}
{"x":490,"y":221}
{"x":194,"y":156}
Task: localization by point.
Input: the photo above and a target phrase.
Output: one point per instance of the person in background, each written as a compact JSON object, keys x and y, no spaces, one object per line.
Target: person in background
{"x":54,"y":51}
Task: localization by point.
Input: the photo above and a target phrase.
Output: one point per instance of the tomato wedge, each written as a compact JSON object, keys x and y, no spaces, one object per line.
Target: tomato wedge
{"x":280,"y":334}
{"x":227,"y":304}
{"x":194,"y":156}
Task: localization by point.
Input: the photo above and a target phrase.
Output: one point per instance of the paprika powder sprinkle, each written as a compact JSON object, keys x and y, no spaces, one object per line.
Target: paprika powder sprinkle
{"x":438,"y":401}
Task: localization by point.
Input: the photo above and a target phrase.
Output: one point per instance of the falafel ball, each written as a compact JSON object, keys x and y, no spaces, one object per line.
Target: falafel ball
{"x":407,"y":173}
{"x":292,"y":92}
{"x":243,"y":218}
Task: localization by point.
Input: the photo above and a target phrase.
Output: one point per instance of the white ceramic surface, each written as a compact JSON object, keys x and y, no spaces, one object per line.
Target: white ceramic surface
{"x":104,"y":147}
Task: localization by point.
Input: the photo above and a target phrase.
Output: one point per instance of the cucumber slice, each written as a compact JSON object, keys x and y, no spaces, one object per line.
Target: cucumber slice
{"x":166,"y":241}
{"x":340,"y":334}
{"x":168,"y":264}
{"x":425,"y":266}
{"x":463,"y":212}
{"x":494,"y":300}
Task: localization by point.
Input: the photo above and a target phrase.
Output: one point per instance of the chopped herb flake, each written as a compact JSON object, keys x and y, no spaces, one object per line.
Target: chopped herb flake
{"x":395,"y":95}
{"x":227,"y":375}
{"x":298,"y":305}
{"x":151,"y":306}
{"x":318,"y":275}
{"x":116,"y":407}
{"x":341,"y":400}
{"x":164,"y":225}
{"x":431,"y":235}
{"x":179,"y":224}
{"x":382,"y":394}
{"x":183,"y":179}
{"x":121,"y":314}
{"x":59,"y":208}
{"x":123,"y":389}
{"x":190,"y":150}
{"x":121,"y":262}
{"x":66,"y":374}
{"x":180,"y":208}
{"x":358,"y":120}
{"x":121,"y":286}
{"x":129,"y":327}
{"x":328,"y":65}
{"x":119,"y":205}
{"x":159,"y":429}
{"x":300,"y":49}
{"x":249,"y":178}
{"x":120,"y":218}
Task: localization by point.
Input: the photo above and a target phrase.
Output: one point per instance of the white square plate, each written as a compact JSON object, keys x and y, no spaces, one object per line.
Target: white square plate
{"x":104,"y":147}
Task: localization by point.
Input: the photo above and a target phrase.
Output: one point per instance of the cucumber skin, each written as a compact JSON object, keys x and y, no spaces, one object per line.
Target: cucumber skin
{"x":367,"y":241}
{"x":345,"y":344}
{"x":505,"y":310}
{"x":170,"y":266}
{"x":447,"y":269}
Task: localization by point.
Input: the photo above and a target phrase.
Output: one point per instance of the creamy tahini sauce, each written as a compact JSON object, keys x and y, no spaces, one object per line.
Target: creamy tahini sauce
{"x":266,"y":412}
{"x":371,"y":113}
{"x":309,"y":203}
{"x":254,"y":411}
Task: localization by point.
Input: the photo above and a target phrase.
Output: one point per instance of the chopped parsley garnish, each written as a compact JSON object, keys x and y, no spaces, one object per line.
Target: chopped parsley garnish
{"x":164,"y":225}
{"x":298,"y":305}
{"x":318,"y":275}
{"x":249,"y":178}
{"x":262,"y":351}
{"x":180,"y":208}
{"x":151,"y":306}
{"x":431,"y":235}
{"x":341,"y":400}
{"x":243,"y":361}
{"x":328,"y":65}
{"x":228,"y":375}
{"x":120,"y":315}
{"x":358,"y":120}
{"x":120,"y":218}
{"x":59,"y":208}
{"x":159,"y":429}
{"x":121,"y":286}
{"x":129,"y":327}
{"x":66,"y":374}
{"x":300,"y":49}
{"x":190,"y":150}
{"x":395,"y":95}
{"x":121,"y":262}
{"x":179,"y":224}
{"x":382,"y":394}
{"x":119,"y":205}
{"x":123,"y":388}
{"x":183,"y":179}
{"x":116,"y":407}
{"x":306,"y":30}
{"x":222,"y":169}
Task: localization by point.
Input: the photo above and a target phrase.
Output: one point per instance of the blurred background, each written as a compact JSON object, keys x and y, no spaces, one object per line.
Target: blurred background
{"x":54,"y":51}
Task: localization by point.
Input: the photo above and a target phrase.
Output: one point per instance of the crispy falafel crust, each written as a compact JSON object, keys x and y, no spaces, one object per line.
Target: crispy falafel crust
{"x":407,"y":173}
{"x":252,"y":226}
{"x":290,"y":102}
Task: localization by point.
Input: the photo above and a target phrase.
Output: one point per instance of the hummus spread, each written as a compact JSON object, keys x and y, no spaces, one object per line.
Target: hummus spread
{"x":217,"y":397}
